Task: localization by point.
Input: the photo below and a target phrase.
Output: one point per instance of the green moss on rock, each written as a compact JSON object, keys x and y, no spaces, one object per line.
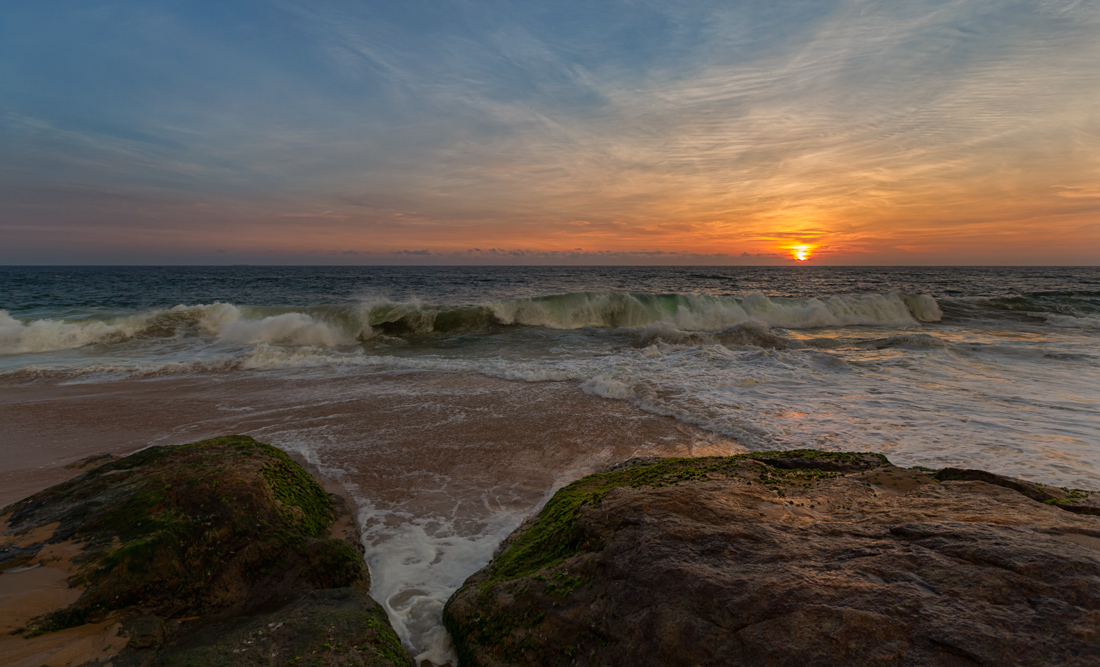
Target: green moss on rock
{"x":556,"y":534}
{"x":304,"y":502}
{"x":329,"y":628}
{"x":188,"y":530}
{"x":718,"y":571}
{"x":1078,"y":501}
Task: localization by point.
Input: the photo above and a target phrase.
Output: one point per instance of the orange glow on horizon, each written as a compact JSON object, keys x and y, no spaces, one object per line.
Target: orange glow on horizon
{"x":801,"y":251}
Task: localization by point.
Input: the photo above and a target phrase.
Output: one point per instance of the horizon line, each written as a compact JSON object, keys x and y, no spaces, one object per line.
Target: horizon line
{"x":571,"y":266}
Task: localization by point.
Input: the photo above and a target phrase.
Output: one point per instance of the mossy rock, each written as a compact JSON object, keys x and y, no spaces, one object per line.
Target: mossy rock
{"x":211,"y":529}
{"x":779,"y":558}
{"x":544,"y":558}
{"x":326,"y":627}
{"x":554,"y":535}
{"x":1078,"y":501}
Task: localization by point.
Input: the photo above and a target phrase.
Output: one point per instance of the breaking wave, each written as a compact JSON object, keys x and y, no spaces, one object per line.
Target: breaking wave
{"x":335,"y":326}
{"x":708,"y":313}
{"x":17,"y":337}
{"x":226,"y":323}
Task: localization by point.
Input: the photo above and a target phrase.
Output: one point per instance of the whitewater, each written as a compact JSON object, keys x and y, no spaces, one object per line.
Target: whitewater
{"x":451,"y":401}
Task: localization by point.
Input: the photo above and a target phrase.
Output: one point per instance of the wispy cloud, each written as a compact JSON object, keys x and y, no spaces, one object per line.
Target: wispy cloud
{"x":880,"y":129}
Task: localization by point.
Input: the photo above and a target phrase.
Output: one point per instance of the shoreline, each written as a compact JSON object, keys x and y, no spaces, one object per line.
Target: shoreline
{"x":441,"y":466}
{"x":815,"y":508}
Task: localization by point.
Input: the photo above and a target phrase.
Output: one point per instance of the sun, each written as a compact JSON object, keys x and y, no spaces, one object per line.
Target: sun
{"x":801,"y":251}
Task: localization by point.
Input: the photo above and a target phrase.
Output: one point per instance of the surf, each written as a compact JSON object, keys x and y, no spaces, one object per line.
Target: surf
{"x":345,"y":325}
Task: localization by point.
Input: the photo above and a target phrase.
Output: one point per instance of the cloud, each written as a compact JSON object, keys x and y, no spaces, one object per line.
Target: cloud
{"x":1071,"y":192}
{"x":573,"y":256}
{"x":620,"y":126}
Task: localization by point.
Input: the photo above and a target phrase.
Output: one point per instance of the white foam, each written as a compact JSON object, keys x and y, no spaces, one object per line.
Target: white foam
{"x":695,"y":312}
{"x":46,"y":335}
{"x":230,"y":324}
{"x":227,"y":323}
{"x":343,"y":326}
{"x":285,"y":329}
{"x":416,"y":563}
{"x":265,"y":356}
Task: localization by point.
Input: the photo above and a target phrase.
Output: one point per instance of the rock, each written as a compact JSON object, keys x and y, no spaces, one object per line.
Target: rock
{"x":93,"y":461}
{"x":340,"y":626}
{"x":803,"y":558}
{"x":146,"y":631}
{"x":187,"y":547}
{"x":1073,"y":500}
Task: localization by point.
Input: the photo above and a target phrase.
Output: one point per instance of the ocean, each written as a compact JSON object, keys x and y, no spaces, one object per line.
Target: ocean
{"x":450,"y":402}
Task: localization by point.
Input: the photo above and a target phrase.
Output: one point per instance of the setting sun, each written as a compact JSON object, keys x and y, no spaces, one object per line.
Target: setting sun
{"x":801,"y":252}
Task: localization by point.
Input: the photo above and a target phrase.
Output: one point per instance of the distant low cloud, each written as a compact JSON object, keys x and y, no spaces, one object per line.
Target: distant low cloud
{"x":574,"y":256}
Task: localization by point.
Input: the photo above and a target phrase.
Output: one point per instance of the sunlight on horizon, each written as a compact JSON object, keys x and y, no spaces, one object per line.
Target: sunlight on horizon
{"x":801,"y":251}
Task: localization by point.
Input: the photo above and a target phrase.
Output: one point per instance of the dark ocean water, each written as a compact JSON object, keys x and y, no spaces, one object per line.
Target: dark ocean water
{"x":48,"y":291}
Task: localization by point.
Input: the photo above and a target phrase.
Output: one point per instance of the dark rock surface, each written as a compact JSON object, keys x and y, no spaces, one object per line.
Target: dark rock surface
{"x":1072,"y":500}
{"x":339,"y":626}
{"x":89,"y":462}
{"x":773,"y":559}
{"x":223,"y":552}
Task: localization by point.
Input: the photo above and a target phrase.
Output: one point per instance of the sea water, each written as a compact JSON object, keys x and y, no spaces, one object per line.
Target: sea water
{"x":434,"y":379}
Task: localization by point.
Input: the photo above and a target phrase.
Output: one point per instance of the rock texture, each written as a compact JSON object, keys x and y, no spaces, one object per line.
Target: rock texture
{"x":332,"y":627}
{"x":789,"y":558}
{"x":223,"y":552}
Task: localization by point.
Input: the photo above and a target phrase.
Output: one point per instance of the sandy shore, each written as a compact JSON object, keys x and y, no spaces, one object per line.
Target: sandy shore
{"x":492,"y":422}
{"x":41,"y":587}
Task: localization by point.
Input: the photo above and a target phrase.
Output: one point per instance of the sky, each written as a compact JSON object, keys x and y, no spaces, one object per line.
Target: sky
{"x":853,"y":132}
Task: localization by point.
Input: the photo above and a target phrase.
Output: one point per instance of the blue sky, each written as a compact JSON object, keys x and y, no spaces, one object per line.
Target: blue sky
{"x":345,"y":132}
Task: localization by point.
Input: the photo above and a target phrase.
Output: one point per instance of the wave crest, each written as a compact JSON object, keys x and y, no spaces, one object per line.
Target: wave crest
{"x":17,"y":337}
{"x":226,"y":323}
{"x":694,"y":312}
{"x":336,"y":326}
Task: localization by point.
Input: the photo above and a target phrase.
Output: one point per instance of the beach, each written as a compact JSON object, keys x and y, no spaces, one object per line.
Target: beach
{"x":442,"y":466}
{"x":451,"y":403}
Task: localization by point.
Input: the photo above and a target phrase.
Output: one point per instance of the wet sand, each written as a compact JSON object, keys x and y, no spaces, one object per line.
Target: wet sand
{"x":468,"y":420}
{"x":37,"y":588}
{"x":442,"y":465}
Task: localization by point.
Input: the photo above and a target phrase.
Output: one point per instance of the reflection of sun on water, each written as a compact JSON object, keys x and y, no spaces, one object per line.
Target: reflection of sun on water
{"x":801,"y":251}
